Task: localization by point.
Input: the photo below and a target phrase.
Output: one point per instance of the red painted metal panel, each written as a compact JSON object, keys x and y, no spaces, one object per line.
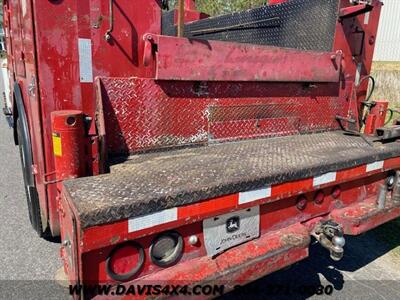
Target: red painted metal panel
{"x":361,"y":217}
{"x":345,"y":39}
{"x":376,"y":117}
{"x":97,"y":237}
{"x":225,"y":61}
{"x":275,"y":218}
{"x":380,"y":111}
{"x":22,"y":59}
{"x":56,"y":73}
{"x":69,"y":250}
{"x":94,"y":261}
{"x":240,"y":265}
{"x":370,"y":125}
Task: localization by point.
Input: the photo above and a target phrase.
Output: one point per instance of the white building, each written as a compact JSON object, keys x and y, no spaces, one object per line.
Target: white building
{"x":388,"y":41}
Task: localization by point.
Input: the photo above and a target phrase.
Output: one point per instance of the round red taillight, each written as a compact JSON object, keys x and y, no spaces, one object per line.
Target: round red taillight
{"x":336,"y":192}
{"x":319,"y":198}
{"x":125,"y":261}
{"x":301,"y":203}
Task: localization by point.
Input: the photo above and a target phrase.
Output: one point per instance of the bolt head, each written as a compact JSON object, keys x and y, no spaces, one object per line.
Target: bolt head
{"x":193,"y":240}
{"x":371,"y":40}
{"x":390,"y":182}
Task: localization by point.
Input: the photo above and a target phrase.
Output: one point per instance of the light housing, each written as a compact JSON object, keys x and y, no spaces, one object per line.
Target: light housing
{"x":125,"y":261}
{"x":301,"y":203}
{"x":166,"y":249}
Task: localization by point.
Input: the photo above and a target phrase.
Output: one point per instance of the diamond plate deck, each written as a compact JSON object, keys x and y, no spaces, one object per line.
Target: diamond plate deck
{"x":143,"y":114}
{"x":152,"y":182}
{"x":299,"y":24}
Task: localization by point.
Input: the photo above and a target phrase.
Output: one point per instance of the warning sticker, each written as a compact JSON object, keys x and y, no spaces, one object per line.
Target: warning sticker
{"x":57,"y":149}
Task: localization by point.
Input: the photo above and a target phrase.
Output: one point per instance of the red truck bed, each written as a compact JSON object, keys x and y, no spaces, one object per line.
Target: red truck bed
{"x":233,"y":126}
{"x":153,"y":182}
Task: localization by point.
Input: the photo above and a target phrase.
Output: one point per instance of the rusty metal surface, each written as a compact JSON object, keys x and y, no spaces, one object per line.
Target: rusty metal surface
{"x":152,"y":182}
{"x":240,"y":265}
{"x":300,"y":24}
{"x":228,"y":61}
{"x":361,"y":217}
{"x":143,"y":114}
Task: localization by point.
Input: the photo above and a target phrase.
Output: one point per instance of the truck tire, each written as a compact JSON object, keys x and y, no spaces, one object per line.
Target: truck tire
{"x":30,"y":190}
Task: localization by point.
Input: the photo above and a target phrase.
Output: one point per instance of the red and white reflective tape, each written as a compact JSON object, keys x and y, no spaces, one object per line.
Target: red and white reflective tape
{"x":378,"y":165}
{"x":251,"y":196}
{"x":324,"y":179}
{"x":220,"y":205}
{"x":151,"y":220}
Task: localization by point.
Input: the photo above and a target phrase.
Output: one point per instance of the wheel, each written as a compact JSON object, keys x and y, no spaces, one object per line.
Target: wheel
{"x":29,"y":184}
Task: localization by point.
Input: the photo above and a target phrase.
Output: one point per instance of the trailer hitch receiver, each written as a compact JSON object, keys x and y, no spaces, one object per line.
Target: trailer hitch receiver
{"x":330,"y":235}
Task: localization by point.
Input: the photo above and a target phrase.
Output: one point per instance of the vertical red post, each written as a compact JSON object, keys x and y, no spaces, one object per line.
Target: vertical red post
{"x":380,"y":110}
{"x":188,"y":14}
{"x":370,"y":125}
{"x":377,"y":117}
{"x":190,"y":4}
{"x":181,"y":17}
{"x":69,"y":144}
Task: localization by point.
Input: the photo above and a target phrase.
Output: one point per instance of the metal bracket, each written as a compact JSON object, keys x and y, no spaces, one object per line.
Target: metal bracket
{"x":388,"y":133}
{"x":353,"y":11}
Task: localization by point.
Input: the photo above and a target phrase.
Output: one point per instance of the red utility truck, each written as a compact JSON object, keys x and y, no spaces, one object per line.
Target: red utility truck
{"x":199,"y":141}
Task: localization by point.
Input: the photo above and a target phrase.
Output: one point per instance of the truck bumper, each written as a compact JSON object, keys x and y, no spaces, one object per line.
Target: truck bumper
{"x":239,"y":265}
{"x":361,"y":217}
{"x":271,"y":252}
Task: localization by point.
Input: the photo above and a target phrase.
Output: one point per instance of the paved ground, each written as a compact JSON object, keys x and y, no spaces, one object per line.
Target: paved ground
{"x":23,"y":255}
{"x":370,"y":270}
